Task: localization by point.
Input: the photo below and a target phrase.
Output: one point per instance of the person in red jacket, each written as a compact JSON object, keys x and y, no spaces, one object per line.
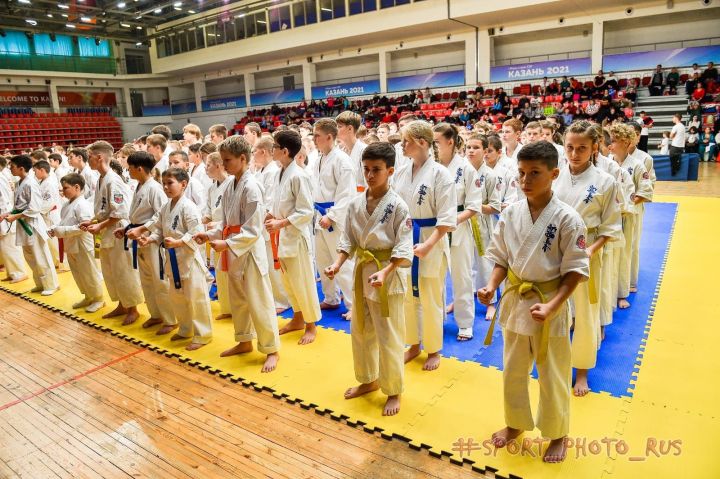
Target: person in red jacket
{"x":699,"y":93}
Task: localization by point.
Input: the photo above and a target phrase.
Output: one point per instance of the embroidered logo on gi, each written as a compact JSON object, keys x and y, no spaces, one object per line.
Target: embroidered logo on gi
{"x":103,"y":203}
{"x":46,"y":196}
{"x":498,"y":186}
{"x":217,"y":202}
{"x":630,"y":170}
{"x":118,"y":198}
{"x":458,"y":175}
{"x":422,"y":191}
{"x":646,"y":176}
{"x":479,"y":182}
{"x":580,"y":243}
{"x":387,"y":212}
{"x":549,"y":236}
{"x":175,"y":222}
{"x":590,"y":193}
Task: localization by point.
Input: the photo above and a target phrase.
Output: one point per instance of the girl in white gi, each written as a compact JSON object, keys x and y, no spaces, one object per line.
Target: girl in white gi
{"x":112,"y":208}
{"x":429,"y":191}
{"x":268,"y":169}
{"x":377,"y":234}
{"x":31,"y":232}
{"x":466,"y":240}
{"x":174,"y":226}
{"x":491,"y":197}
{"x":593,"y":194}
{"x":348,"y":123}
{"x":290,"y":214}
{"x":10,"y":252}
{"x":539,"y":246}
{"x":78,"y":245}
{"x":78,"y":159}
{"x":334,"y":185}
{"x":147,"y":201}
{"x":211,"y":216}
{"x":195,"y":190}
{"x":505,"y":175}
{"x":238,"y":239}
{"x":623,"y":138}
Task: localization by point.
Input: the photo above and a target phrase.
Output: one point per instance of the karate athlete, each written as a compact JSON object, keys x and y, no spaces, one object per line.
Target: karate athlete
{"x":147,"y":202}
{"x":510,"y":136}
{"x":539,"y":246}
{"x":79,"y":245}
{"x":334,"y":186}
{"x":51,"y":205}
{"x":174,"y":227}
{"x":195,"y":191}
{"x":31,"y":231}
{"x":10,"y":252}
{"x":290,"y":215}
{"x":504,"y":174}
{"x":593,"y":194}
{"x":466,"y":239}
{"x":348,"y":123}
{"x":237,"y":237}
{"x":378,"y":236}
{"x":429,"y":191}
{"x":78,"y":159}
{"x":112,"y":203}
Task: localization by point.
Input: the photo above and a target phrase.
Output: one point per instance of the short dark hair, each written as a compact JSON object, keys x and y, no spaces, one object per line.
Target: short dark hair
{"x":22,"y":161}
{"x":42,"y":165}
{"x":542,"y":150}
{"x":178,"y":173}
{"x":55,"y":157}
{"x":289,"y":139}
{"x":162,"y":130}
{"x":81,"y":152}
{"x":142,"y":159}
{"x":181,"y":154}
{"x":73,"y":179}
{"x":381,"y":150}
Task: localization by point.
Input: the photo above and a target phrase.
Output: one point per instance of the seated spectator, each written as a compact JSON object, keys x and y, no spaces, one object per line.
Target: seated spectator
{"x":699,"y":93}
{"x":657,"y":82}
{"x":694,"y":121}
{"x":599,"y":81}
{"x":553,"y":88}
{"x":565,"y":83}
{"x":592,"y":109}
{"x":611,"y":81}
{"x":567,"y":93}
{"x":479,"y":89}
{"x":501,"y":96}
{"x":672,"y":80}
{"x":708,"y":145}
{"x":696,"y":69}
{"x":692,"y":143}
{"x":567,"y":116}
{"x":709,"y":76}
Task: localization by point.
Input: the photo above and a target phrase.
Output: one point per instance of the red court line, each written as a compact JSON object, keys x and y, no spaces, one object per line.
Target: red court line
{"x":69,"y":380}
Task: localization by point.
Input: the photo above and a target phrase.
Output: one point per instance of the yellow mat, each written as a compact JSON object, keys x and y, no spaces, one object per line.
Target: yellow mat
{"x":667,"y":428}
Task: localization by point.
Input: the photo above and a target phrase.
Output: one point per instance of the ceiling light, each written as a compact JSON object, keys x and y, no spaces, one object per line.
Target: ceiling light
{"x":125,"y":25}
{"x":138,"y":27}
{"x":239,"y":15}
{"x":325,"y":9}
{"x":49,"y":15}
{"x":24,"y":1}
{"x":262,"y":21}
{"x":138,"y":44}
{"x":63,"y":6}
{"x":121,"y":5}
{"x":86,"y":19}
{"x":70,"y":25}
{"x":30,"y":21}
{"x":64,"y":15}
{"x":192,"y":11}
{"x":138,"y":17}
{"x":158,"y":10}
{"x":177,"y":4}
{"x":179,"y":9}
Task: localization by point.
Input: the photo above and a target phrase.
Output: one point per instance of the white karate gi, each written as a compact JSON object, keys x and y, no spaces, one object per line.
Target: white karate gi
{"x":190,"y":302}
{"x":429,"y":193}
{"x":91,"y":178}
{"x":213,"y":212}
{"x":199,"y":172}
{"x":593,"y":195}
{"x":491,"y":195}
{"x":79,"y":247}
{"x":196,"y":193}
{"x":292,"y":199}
{"x":112,"y":200}
{"x":251,"y":300}
{"x":52,"y":204}
{"x":356,"y":160}
{"x":333,"y":181}
{"x":647,"y":162}
{"x":549,"y":248}
{"x":378,"y":342}
{"x":28,"y":199}
{"x":147,"y":201}
{"x":10,"y":252}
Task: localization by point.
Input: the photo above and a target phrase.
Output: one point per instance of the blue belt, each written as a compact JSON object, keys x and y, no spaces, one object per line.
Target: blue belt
{"x":415,"y":269}
{"x":134,"y":245}
{"x":172,"y":256}
{"x":322,"y":209}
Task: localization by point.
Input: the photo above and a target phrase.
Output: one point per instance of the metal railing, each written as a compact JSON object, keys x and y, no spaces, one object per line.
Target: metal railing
{"x":647,"y":47}
{"x":541,"y":58}
{"x":346,"y":80}
{"x":422,"y":71}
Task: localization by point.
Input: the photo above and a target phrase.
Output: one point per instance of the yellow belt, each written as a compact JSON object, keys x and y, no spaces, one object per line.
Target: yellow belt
{"x":524,"y":288}
{"x":477,"y":236}
{"x":594,"y":270}
{"x":363,"y":256}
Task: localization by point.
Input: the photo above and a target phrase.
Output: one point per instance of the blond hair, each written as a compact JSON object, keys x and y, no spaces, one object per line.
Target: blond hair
{"x":194,"y":129}
{"x":157,"y":140}
{"x":102,"y":148}
{"x":265,"y":143}
{"x":622,"y":132}
{"x":349,"y":118}
{"x":327,"y":125}
{"x":236,"y":146}
{"x":421,"y":130}
{"x":214,"y":158}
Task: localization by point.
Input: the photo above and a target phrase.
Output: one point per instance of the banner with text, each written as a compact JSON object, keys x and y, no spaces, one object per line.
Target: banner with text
{"x":368,"y":87}
{"x":224,"y":103}
{"x":430,"y":80}
{"x":675,"y":57}
{"x":280,"y":96}
{"x":550,"y":69}
{"x":66,"y":98}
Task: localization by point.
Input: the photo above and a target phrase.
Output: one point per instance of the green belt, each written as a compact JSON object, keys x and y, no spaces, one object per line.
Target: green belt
{"x":364,"y":256}
{"x":22,"y":222}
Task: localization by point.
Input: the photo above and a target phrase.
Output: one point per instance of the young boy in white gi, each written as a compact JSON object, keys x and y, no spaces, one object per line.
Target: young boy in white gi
{"x":290,"y":215}
{"x":78,"y":245}
{"x":78,"y":159}
{"x":52,"y":203}
{"x":377,"y":234}
{"x":195,"y":190}
{"x":348,"y":123}
{"x":237,"y":237}
{"x":539,"y":246}
{"x":10,"y":252}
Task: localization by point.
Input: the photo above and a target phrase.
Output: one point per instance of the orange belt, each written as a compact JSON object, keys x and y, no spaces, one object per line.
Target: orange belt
{"x":227,"y":231}
{"x":274,"y":244}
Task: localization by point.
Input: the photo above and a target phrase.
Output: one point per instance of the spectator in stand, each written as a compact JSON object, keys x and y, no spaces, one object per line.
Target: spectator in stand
{"x":708,"y":145}
{"x":631,"y":90}
{"x":565,"y":83}
{"x":657,"y":82}
{"x":567,"y":116}
{"x":694,"y":110}
{"x":699,"y":94}
{"x":611,"y":81}
{"x":646,"y":122}
{"x":692,"y":144}
{"x":553,"y":88}
{"x":599,"y":81}
{"x":691,"y":83}
{"x":677,"y":143}
{"x":592,"y":109}
{"x":502,"y":96}
{"x":588,"y":92}
{"x":694,"y":121}
{"x":709,"y":76}
{"x":567,"y":93}
{"x":427,"y":95}
{"x":479,"y":89}
{"x":696,"y":69}
{"x":672,"y":80}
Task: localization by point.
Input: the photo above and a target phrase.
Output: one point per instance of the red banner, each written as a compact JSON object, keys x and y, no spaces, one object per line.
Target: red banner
{"x":66,"y":98}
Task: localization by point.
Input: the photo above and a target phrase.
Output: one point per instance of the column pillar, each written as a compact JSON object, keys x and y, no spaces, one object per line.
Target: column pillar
{"x":249,"y":87}
{"x":54,"y":100}
{"x":383,"y":67}
{"x":598,"y":43}
{"x":200,"y":92}
{"x":309,"y":74}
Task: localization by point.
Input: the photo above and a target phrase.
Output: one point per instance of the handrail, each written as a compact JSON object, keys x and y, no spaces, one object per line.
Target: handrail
{"x":665,"y":45}
{"x":540,"y":58}
{"x":342,"y":80}
{"x":417,"y":71}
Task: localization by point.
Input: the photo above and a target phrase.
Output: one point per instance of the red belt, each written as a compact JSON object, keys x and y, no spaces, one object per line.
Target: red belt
{"x":61,"y":249}
{"x":227,"y":231}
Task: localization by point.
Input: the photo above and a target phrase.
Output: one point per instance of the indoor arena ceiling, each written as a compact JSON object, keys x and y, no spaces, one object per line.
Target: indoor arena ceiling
{"x":119,"y":19}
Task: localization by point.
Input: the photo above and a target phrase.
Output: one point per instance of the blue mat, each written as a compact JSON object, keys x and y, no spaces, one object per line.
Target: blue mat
{"x":618,"y":356}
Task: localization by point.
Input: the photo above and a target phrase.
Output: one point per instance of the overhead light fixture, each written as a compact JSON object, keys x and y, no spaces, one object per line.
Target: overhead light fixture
{"x":138,"y":17}
{"x":86,"y":19}
{"x":49,"y":15}
{"x":63,"y":6}
{"x":121,"y":5}
{"x":158,"y":10}
{"x":239,"y":15}
{"x":125,"y":25}
{"x":262,"y":21}
{"x":30,"y":21}
{"x":64,"y":15}
{"x":325,"y":9}
{"x":27,"y":2}
{"x":177,"y":4}
{"x":70,"y":25}
{"x":192,"y":11}
{"x":138,"y":27}
{"x":179,"y":9}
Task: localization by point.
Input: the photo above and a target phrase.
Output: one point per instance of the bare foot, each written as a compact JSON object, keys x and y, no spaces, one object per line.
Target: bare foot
{"x":270,"y":363}
{"x":194,"y":346}
{"x":296,"y":324}
{"x":490,"y":312}
{"x":623,"y":303}
{"x":347,"y":316}
{"x":392,"y":405}
{"x":633,"y":289}
{"x":131,"y":316}
{"x":412,"y":353}
{"x":152,"y":322}
{"x":118,"y":311}
{"x":280,"y":310}
{"x":450,"y":308}
{"x":432,"y":362}
{"x":239,"y":348}
{"x":505,"y":435}
{"x":581,"y":387}
{"x":556,"y":451}
{"x":602,"y":333}
{"x":223,"y":316}
{"x":327,"y":306}
{"x":168,"y":328}
{"x":17,"y":280}
{"x":361,"y":389}
{"x":177,"y":337}
{"x":310,"y":333}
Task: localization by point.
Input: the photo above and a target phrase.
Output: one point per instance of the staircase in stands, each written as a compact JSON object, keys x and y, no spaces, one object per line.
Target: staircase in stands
{"x":661,"y":109}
